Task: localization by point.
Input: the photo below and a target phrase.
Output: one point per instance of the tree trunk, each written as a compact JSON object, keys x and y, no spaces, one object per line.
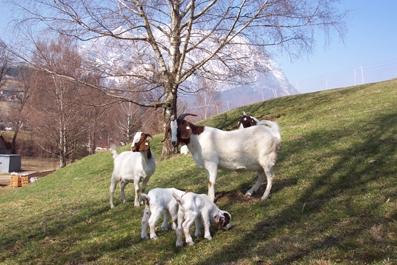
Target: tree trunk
{"x":91,"y":141}
{"x":62,"y":154}
{"x":14,"y":138}
{"x":169,"y":110}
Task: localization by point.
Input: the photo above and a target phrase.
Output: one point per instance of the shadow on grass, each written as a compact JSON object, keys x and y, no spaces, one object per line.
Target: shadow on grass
{"x":361,"y":163}
{"x":357,"y":166}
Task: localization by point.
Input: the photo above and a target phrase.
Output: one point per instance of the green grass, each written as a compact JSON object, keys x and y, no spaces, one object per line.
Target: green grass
{"x":334,"y":198}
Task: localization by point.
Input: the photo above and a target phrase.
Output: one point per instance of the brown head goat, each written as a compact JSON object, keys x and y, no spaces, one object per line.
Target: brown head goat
{"x":133,"y":166}
{"x":253,"y":148}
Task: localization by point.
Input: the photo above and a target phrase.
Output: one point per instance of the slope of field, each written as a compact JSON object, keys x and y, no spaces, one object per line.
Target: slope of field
{"x":334,"y":198}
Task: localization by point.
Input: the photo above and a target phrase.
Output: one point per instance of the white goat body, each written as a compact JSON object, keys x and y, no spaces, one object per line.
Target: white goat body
{"x":159,"y":201}
{"x":238,"y":149}
{"x":136,"y":167}
{"x":200,"y":209}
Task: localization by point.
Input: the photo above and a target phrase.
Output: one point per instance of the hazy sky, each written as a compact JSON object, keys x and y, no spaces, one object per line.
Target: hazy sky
{"x":368,"y":51}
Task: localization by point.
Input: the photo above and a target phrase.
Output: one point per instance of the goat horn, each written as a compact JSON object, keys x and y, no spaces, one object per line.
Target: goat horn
{"x":183,"y":115}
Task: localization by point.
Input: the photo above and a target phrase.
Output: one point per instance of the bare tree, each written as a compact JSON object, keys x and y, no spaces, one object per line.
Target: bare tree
{"x":26,"y":79}
{"x":128,"y":120}
{"x":207,"y":100}
{"x":4,"y":61}
{"x":95,"y":106}
{"x":167,"y":45}
{"x":56,"y":106}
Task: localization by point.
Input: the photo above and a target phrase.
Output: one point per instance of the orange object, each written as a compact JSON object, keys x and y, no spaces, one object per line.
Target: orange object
{"x":24,"y":180}
{"x":15,"y":181}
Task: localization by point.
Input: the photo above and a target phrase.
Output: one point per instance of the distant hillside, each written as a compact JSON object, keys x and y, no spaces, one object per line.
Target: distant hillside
{"x":333,"y":201}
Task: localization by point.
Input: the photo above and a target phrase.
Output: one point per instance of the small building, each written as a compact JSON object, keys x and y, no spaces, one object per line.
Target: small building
{"x":10,"y":163}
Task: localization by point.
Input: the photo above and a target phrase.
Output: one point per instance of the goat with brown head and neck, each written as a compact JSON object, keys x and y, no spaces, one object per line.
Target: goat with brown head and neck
{"x":254,"y":148}
{"x":134,"y":166}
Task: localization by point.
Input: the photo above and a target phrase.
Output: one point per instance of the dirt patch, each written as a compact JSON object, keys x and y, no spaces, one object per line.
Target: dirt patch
{"x":226,"y":197}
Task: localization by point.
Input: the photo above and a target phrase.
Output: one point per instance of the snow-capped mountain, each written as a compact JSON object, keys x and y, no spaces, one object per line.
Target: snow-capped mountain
{"x":264,"y":85}
{"x":244,"y":73}
{"x":268,"y":85}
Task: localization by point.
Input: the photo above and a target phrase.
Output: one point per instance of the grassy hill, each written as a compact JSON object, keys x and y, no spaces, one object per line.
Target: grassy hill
{"x":334,"y":198}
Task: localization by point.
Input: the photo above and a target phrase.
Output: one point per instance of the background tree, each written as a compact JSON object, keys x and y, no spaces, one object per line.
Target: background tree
{"x":4,"y":62}
{"x":167,"y":45}
{"x":56,"y":109}
{"x":207,"y":100}
{"x":26,"y":78}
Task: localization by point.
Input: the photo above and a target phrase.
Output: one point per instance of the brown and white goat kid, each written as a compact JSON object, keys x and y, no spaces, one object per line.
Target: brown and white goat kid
{"x":254,"y":148}
{"x":133,"y":166}
{"x":200,"y":209}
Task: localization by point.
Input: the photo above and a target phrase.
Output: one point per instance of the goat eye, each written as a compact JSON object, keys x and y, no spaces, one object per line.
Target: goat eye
{"x":187,"y":127}
{"x":245,"y":119}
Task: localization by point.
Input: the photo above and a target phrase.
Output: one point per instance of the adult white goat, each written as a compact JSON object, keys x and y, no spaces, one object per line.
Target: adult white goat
{"x":254,"y":148}
{"x":133,"y":166}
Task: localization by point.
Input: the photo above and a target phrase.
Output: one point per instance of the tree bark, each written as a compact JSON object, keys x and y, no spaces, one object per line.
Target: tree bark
{"x":170,"y":109}
{"x":14,"y":138}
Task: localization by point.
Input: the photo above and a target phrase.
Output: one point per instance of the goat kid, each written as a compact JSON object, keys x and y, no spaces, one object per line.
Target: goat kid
{"x":159,"y":201}
{"x":133,"y":166}
{"x":254,"y":148}
{"x":200,"y":209}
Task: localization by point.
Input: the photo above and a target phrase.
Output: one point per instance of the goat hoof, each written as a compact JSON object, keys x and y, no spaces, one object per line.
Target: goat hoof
{"x":248,"y":195}
{"x":209,"y":237}
{"x":164,"y":228}
{"x":153,"y":237}
{"x":264,"y":198}
{"x":144,"y":237}
{"x":179,"y":244}
{"x":190,"y":243}
{"x":136,"y":205}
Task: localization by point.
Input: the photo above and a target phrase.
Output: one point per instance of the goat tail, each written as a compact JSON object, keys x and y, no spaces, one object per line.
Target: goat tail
{"x":145,"y":198}
{"x":113,"y":150}
{"x":274,"y":128}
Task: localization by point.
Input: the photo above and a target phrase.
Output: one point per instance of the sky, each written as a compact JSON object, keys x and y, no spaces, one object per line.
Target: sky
{"x":366,"y":53}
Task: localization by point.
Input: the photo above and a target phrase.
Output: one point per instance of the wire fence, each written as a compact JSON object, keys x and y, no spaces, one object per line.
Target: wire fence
{"x":349,"y":77}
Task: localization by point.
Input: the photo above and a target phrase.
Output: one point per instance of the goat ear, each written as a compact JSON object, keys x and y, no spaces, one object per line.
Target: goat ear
{"x":149,"y":136}
{"x":186,"y":131}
